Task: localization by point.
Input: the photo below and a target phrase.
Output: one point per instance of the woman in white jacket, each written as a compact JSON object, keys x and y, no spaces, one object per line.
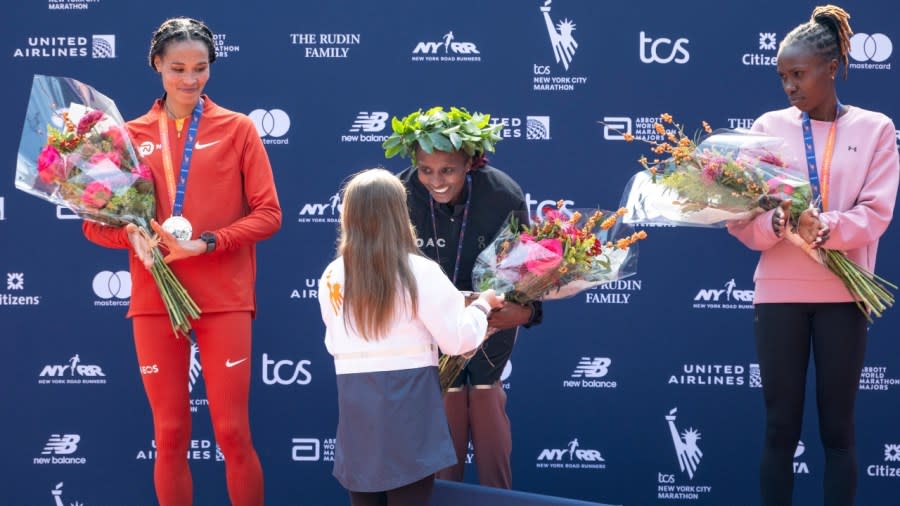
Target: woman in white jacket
{"x":387,"y":310}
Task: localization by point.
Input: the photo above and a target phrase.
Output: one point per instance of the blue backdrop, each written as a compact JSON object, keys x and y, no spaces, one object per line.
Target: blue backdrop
{"x":631,"y":370}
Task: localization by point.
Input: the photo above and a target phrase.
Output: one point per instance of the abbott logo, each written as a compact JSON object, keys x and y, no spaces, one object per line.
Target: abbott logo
{"x":875,"y":48}
{"x":305,"y":449}
{"x":678,"y":53}
{"x":271,"y":123}
{"x":103,"y":46}
{"x":271,"y":372}
{"x":108,"y":284}
{"x":615,"y":127}
{"x":370,"y":122}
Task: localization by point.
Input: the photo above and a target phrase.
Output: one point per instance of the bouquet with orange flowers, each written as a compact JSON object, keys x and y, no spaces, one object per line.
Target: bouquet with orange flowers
{"x":551,"y":256}
{"x":75,"y":152}
{"x":735,"y":175}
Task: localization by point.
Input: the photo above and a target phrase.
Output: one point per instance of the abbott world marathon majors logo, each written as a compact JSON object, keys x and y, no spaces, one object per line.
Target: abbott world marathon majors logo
{"x":112,"y":288}
{"x":60,"y":449}
{"x":198,"y":450}
{"x":642,"y":128}
{"x":689,"y":456}
{"x":591,"y":373}
{"x":889,"y":466}
{"x":530,"y":128}
{"x":272,"y":125}
{"x":311,"y":449}
{"x":74,"y":372}
{"x":322,"y":212}
{"x":573,"y":456}
{"x":225,"y":47}
{"x":877,"y":378}
{"x":764,"y":53}
{"x":555,"y":77}
{"x":448,"y":49}
{"x":67,"y":46}
{"x":326,"y":45}
{"x":870,"y":51}
{"x":15,"y":292}
{"x":727,"y":297}
{"x":368,"y":127}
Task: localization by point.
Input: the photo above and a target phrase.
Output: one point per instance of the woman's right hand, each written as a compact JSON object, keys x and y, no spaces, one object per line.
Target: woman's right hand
{"x":491,"y":298}
{"x":779,"y":217}
{"x":140,"y":244}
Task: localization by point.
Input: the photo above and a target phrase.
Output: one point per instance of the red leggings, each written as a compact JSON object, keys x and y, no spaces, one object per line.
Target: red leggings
{"x":224,"y":342}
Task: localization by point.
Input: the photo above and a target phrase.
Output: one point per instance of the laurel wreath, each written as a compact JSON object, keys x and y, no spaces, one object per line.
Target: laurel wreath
{"x":442,"y":130}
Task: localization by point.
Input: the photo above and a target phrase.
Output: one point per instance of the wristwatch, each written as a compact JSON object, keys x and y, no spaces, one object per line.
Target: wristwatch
{"x":210,"y":239}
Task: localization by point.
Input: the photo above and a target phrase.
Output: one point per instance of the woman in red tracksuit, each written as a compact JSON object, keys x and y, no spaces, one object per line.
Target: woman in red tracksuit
{"x":229,"y":198}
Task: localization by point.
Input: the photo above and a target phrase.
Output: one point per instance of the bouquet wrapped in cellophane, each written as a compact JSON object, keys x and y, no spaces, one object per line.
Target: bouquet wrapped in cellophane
{"x":551,"y":256}
{"x":75,"y":152}
{"x":734,"y":175}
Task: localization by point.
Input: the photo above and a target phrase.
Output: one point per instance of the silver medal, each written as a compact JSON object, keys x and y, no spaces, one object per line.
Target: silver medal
{"x":179,"y":227}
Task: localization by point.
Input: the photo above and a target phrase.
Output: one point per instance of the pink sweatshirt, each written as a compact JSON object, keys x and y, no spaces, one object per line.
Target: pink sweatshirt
{"x":862,"y":189}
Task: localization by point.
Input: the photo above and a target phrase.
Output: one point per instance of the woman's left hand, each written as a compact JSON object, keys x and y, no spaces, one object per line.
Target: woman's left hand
{"x":509,"y":315}
{"x":176,"y":249}
{"x":811,"y":229}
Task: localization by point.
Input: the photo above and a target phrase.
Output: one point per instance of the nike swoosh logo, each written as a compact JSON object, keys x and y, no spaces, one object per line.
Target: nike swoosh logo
{"x":229,"y":363}
{"x":200,"y":145}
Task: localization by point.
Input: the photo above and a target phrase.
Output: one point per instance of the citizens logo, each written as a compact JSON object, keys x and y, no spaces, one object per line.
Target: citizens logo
{"x":728,"y":297}
{"x":448,"y":49}
{"x":870,"y":52}
{"x":70,"y":5}
{"x":563,"y":46}
{"x":309,"y":291}
{"x":800,"y":467}
{"x":15,"y":285}
{"x":306,"y":449}
{"x":325,"y":45}
{"x":725,"y":375}
{"x":889,"y":467}
{"x":198,"y":450}
{"x":59,"y":450}
{"x":613,"y":292}
{"x":689,"y":455}
{"x":225,"y":47}
{"x":571,"y":457}
{"x":112,"y":288}
{"x":367,"y":127}
{"x":271,"y":125}
{"x":532,"y":128}
{"x":73,"y":373}
{"x":67,"y":46}
{"x":56,"y":494}
{"x":588,"y":374}
{"x":663,"y":49}
{"x":285,"y":372}
{"x":877,"y":378}
{"x":327,"y":212}
{"x":765,"y":55}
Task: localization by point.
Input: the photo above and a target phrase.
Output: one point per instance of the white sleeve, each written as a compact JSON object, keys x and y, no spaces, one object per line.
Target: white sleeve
{"x":326,"y":310}
{"x":457,"y":329}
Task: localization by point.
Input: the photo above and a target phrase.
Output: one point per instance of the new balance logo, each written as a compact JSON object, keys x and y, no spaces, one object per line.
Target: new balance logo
{"x":370,"y":122}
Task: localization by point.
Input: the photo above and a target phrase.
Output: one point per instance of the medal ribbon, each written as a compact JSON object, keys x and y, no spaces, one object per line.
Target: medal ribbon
{"x":811,"y":167}
{"x":462,"y":229}
{"x":177,"y":192}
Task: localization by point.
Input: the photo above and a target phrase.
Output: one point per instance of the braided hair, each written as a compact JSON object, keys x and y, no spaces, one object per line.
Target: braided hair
{"x":827,"y":32}
{"x":177,"y":30}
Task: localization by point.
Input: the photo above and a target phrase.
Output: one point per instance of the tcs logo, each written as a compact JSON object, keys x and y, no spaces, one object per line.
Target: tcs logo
{"x":677,"y":53}
{"x":285,"y":372}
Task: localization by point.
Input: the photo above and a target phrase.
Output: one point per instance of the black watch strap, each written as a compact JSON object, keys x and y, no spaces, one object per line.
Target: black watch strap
{"x":210,"y":239}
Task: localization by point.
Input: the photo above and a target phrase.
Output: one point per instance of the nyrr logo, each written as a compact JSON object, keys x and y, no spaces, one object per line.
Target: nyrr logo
{"x":676,"y":51}
{"x":571,"y":457}
{"x":285,"y":372}
{"x":448,"y":50}
{"x":375,"y":121}
{"x":322,"y":213}
{"x":72,"y":373}
{"x":587,"y":374}
{"x":767,"y":42}
{"x":114,"y":288}
{"x":59,"y":448}
{"x":271,"y":124}
{"x":304,"y":449}
{"x":891,"y":466}
{"x":725,"y":298}
{"x":311,"y":290}
{"x":871,"y":51}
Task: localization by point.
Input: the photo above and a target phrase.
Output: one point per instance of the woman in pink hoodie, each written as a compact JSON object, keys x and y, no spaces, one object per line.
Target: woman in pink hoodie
{"x":801,"y":306}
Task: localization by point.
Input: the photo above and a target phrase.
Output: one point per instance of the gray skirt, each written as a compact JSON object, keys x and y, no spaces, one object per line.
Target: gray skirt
{"x":392,"y":429}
